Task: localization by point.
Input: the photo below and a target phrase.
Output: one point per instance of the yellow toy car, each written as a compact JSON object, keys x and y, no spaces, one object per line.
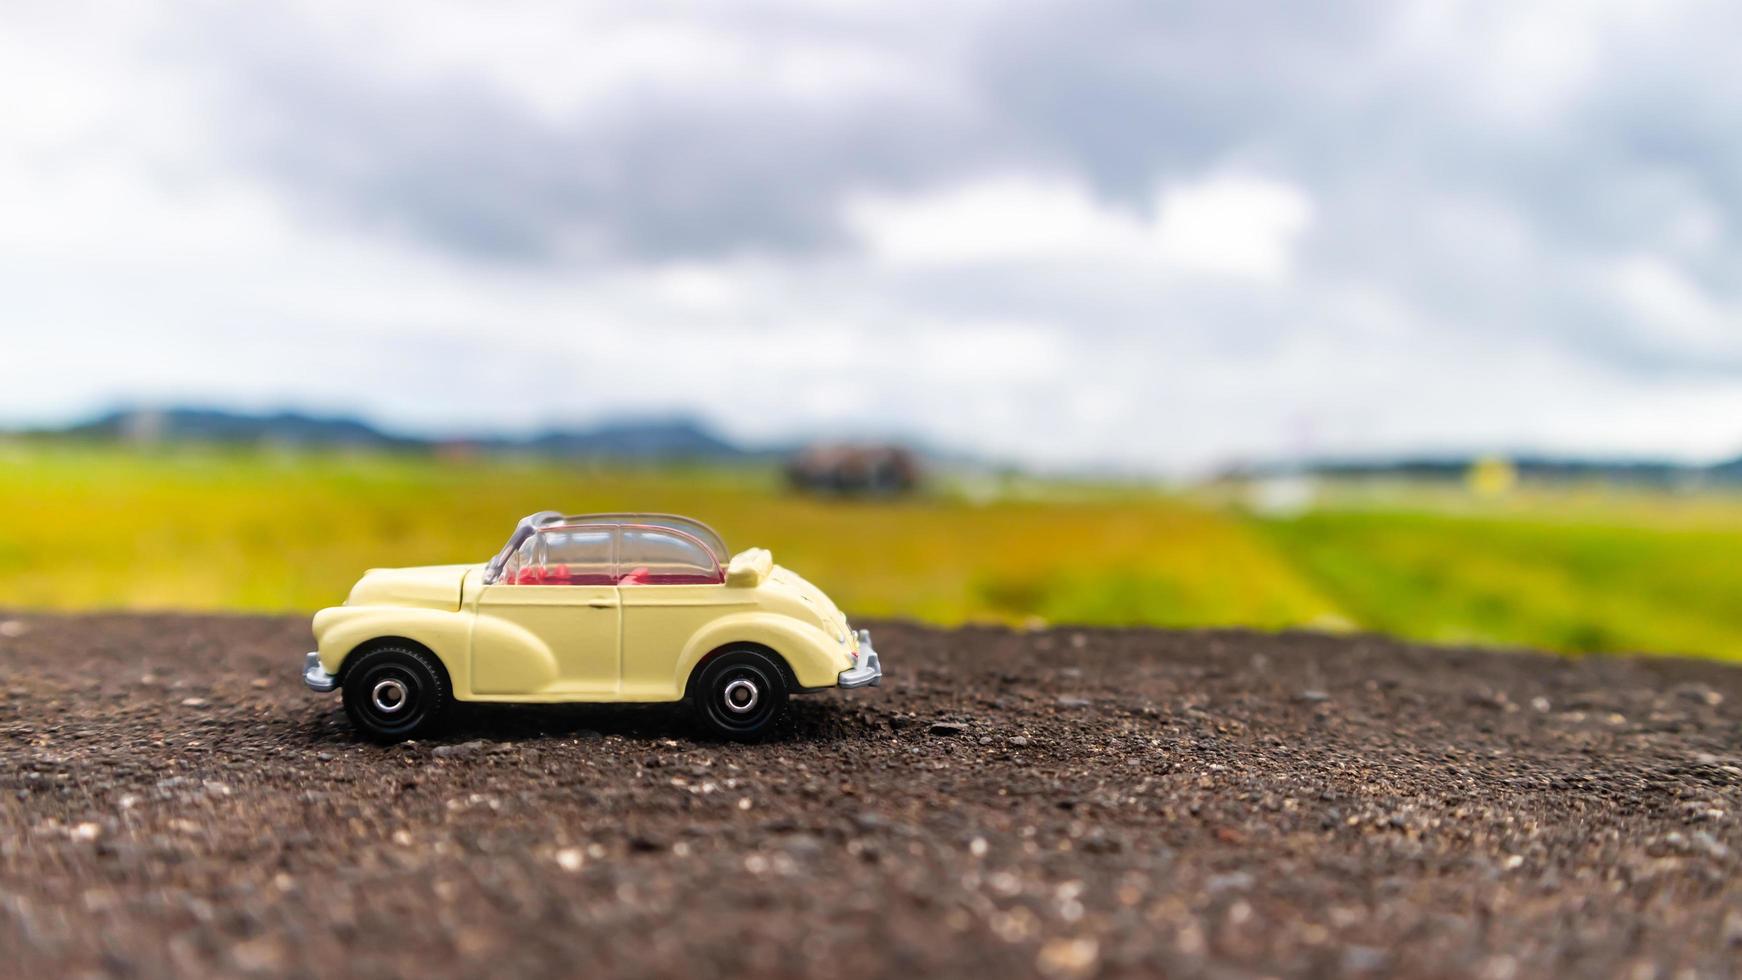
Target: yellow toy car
{"x":589,"y":608}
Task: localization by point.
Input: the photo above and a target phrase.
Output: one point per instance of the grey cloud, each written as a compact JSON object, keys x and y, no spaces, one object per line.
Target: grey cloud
{"x":1132,"y":90}
{"x":1120,"y":94}
{"x":1116,"y":92}
{"x":1128,"y":89}
{"x":656,"y":172}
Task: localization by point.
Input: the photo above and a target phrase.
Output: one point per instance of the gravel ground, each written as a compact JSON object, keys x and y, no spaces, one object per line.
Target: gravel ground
{"x":1065,"y":803}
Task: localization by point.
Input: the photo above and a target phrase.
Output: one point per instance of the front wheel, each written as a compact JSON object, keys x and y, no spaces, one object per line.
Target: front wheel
{"x":740,"y":693}
{"x":395,"y":693}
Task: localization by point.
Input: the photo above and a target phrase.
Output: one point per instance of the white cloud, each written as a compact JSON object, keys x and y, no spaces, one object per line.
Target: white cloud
{"x":1667,"y":305}
{"x":1008,"y":218}
{"x":1244,"y":227}
{"x":1223,"y":225}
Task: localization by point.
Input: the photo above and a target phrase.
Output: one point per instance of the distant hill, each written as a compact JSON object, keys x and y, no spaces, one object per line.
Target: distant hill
{"x":1729,"y":471}
{"x":653,"y":438}
{"x":641,"y":439}
{"x":1544,"y":468}
{"x":151,"y":425}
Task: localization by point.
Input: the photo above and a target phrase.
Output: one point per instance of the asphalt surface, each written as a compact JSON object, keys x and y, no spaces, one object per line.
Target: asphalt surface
{"x":1068,"y":804}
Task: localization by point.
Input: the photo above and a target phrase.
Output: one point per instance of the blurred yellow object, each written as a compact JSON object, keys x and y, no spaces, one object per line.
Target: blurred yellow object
{"x":1491,"y":476}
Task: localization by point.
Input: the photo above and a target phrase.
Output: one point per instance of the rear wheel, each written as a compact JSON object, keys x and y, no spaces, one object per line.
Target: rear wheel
{"x":395,"y":693}
{"x":740,"y":694}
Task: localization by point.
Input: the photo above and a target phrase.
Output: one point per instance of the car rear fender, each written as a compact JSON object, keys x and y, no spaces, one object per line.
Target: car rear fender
{"x":814,"y":658}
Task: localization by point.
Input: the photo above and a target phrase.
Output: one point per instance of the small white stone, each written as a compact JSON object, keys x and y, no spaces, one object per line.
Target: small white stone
{"x":570,"y":859}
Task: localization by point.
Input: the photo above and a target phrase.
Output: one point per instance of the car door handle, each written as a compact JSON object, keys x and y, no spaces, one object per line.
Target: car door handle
{"x":601,"y":603}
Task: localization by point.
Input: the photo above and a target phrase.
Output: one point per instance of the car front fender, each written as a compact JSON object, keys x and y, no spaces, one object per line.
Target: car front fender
{"x":342,"y":629}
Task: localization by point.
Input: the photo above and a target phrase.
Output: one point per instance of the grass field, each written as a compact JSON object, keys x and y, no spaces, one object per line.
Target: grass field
{"x":1588,"y":582}
{"x":92,"y":528}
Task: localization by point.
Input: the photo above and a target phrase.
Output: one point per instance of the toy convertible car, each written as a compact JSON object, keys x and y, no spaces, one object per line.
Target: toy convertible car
{"x":600,"y":607}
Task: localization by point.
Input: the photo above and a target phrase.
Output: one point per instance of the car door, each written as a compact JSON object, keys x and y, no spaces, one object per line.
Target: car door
{"x":549,"y":628}
{"x":670,"y":585}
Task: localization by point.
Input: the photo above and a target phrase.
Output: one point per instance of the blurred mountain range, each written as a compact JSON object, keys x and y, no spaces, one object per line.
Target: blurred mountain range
{"x":651,"y":438}
{"x":1533,"y":468}
{"x":682,"y":437}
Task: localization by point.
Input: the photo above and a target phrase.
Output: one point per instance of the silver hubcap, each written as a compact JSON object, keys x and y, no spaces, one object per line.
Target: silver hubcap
{"x":389,"y":696}
{"x":741,"y":696}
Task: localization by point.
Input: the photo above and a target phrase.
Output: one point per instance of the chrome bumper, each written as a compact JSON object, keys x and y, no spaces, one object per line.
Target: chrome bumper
{"x":315,"y":677}
{"x":869,"y":672}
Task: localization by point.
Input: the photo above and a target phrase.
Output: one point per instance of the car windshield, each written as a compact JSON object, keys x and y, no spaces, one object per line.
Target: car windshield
{"x":528,"y":526}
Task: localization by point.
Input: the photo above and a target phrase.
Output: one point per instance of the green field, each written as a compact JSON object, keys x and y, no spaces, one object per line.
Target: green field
{"x":84,"y":528}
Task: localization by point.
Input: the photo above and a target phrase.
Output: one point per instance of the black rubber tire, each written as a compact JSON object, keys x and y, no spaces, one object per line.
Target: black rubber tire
{"x":729,"y":709}
{"x":410,"y":678}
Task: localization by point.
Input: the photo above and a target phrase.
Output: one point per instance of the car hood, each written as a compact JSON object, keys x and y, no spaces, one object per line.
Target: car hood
{"x":428,"y":587}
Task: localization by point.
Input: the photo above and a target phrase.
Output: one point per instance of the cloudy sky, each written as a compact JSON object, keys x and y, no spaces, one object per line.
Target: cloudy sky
{"x":1160,"y":235}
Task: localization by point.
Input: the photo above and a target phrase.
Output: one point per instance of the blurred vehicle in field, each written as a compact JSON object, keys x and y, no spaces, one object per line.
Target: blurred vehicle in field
{"x":879,"y":470}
